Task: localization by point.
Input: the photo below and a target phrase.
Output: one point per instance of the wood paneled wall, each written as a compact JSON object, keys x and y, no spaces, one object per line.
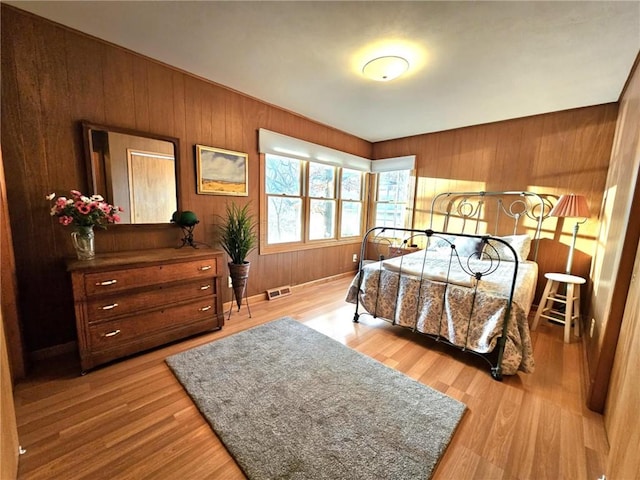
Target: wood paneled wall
{"x":621,"y":412}
{"x":551,"y":154}
{"x":617,"y":244}
{"x":9,"y":443}
{"x":52,"y":78}
{"x":8,"y":288}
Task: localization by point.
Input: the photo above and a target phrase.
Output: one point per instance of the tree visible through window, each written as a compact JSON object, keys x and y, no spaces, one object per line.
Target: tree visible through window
{"x":351,"y":195}
{"x":392,"y":196}
{"x":284,"y":196}
{"x":311,"y":202}
{"x":322,"y":193}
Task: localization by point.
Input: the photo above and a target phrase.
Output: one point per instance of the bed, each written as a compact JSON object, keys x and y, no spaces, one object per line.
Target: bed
{"x":468,"y":288}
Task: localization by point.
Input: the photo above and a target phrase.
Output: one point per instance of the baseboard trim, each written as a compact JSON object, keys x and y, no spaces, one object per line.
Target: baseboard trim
{"x":54,"y":351}
{"x":323,"y":280}
{"x":262,"y":297}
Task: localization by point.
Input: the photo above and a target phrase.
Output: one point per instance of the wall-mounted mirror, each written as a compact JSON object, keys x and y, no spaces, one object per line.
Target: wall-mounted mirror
{"x":137,"y":171}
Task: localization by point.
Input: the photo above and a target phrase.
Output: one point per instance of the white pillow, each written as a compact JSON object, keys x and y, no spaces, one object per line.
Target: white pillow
{"x":520,"y":243}
{"x":437,"y":242}
{"x":465,"y":246}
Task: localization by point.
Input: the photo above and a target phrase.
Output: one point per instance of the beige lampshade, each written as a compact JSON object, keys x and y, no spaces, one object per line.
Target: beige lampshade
{"x":571,"y":206}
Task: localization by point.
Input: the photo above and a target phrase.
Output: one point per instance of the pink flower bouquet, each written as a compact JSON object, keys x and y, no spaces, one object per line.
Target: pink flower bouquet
{"x":83,"y":211}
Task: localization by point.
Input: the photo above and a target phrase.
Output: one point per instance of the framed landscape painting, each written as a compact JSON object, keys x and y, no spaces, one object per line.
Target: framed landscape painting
{"x":221,"y":172}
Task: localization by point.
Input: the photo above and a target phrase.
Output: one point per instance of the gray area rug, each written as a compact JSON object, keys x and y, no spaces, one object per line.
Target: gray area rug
{"x":291,"y":403}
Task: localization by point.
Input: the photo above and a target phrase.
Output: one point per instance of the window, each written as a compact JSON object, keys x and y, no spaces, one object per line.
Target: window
{"x":351,"y":203}
{"x":314,"y":195}
{"x":311,"y":203}
{"x":322,"y":198}
{"x":284,"y":199}
{"x":392,"y":195}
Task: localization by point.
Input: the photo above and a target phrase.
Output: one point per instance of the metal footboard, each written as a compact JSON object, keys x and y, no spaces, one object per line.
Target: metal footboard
{"x":452,"y":258}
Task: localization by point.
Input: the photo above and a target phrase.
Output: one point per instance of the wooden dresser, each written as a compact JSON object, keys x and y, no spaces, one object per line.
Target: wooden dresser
{"x":127,"y":302}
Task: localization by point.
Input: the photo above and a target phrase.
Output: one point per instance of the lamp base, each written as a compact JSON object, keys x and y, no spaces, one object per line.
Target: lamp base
{"x":573,"y":247}
{"x":187,"y":238}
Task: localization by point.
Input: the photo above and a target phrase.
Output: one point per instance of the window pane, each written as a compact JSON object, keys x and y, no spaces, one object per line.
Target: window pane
{"x":283,"y":175}
{"x":393,"y":186}
{"x":322,"y":219}
{"x":351,"y":219}
{"x":351,"y":185}
{"x":322,"y":180}
{"x":285,"y":223}
{"x":390,"y":215}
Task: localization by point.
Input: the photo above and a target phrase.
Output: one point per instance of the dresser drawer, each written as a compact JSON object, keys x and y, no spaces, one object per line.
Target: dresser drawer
{"x":101,"y":308}
{"x":112,"y":334}
{"x":106,"y":282}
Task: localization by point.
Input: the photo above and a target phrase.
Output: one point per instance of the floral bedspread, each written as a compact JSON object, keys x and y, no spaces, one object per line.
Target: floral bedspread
{"x":412,"y":292}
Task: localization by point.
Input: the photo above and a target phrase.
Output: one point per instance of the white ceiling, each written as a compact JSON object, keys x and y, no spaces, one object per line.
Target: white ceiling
{"x":472,"y":62}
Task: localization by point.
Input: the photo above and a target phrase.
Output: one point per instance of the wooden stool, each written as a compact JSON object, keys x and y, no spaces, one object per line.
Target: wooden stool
{"x":571,"y":301}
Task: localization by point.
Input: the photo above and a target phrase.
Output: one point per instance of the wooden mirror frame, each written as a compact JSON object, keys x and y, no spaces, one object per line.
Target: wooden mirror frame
{"x":88,"y":127}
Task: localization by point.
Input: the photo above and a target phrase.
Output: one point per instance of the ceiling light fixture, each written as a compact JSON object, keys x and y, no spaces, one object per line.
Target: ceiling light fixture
{"x":383,"y":69}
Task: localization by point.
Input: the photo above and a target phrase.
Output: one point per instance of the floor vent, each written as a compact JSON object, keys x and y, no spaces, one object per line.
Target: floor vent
{"x":278,"y":292}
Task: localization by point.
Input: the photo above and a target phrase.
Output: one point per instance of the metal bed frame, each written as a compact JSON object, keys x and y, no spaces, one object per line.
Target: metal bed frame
{"x":468,"y":209}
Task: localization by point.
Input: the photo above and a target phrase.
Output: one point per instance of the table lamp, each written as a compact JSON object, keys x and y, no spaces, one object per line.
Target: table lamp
{"x":571,"y":206}
{"x":187,"y":221}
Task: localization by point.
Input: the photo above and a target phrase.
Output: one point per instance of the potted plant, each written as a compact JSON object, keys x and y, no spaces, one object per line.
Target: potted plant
{"x":237,"y":237}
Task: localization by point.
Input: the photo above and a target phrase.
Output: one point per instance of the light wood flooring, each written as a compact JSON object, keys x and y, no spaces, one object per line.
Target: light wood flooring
{"x":132,"y":420}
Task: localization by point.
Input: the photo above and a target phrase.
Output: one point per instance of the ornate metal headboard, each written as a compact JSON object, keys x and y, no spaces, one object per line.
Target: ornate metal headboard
{"x":478,"y":212}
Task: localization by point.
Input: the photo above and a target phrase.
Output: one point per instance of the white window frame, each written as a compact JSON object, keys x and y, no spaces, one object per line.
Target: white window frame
{"x":306,"y":241}
{"x":391,"y":166}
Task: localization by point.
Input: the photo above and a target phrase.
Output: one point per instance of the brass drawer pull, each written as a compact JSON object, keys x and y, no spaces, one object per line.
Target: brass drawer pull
{"x":106,"y":282}
{"x":112,"y":334}
{"x":205,"y":287}
{"x":204,"y":309}
{"x":109,"y":307}
{"x":204,"y":268}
